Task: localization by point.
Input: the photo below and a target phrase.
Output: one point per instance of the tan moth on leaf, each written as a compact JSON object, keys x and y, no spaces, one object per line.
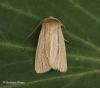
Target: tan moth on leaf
{"x":51,"y":51}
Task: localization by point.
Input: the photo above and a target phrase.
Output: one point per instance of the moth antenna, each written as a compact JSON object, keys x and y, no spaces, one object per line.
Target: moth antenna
{"x":35,"y":29}
{"x":64,"y":27}
{"x":66,"y":30}
{"x":61,"y":24}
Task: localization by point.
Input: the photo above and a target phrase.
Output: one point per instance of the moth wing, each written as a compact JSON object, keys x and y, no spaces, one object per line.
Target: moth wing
{"x":62,"y":66}
{"x":41,"y":58}
{"x":57,"y":58}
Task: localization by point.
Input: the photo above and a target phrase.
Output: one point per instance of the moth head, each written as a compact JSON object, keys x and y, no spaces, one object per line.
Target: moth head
{"x":51,"y":17}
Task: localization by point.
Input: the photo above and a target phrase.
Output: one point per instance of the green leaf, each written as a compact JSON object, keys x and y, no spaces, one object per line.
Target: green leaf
{"x":18,"y":18}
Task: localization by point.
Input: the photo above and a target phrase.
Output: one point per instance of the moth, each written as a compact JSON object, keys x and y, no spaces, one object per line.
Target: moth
{"x":51,"y":51}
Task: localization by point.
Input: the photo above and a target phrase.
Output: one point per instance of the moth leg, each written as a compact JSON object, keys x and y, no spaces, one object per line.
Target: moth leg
{"x":66,"y":40}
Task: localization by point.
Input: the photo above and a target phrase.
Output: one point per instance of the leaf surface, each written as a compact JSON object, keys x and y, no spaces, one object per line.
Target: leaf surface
{"x":18,"y":18}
